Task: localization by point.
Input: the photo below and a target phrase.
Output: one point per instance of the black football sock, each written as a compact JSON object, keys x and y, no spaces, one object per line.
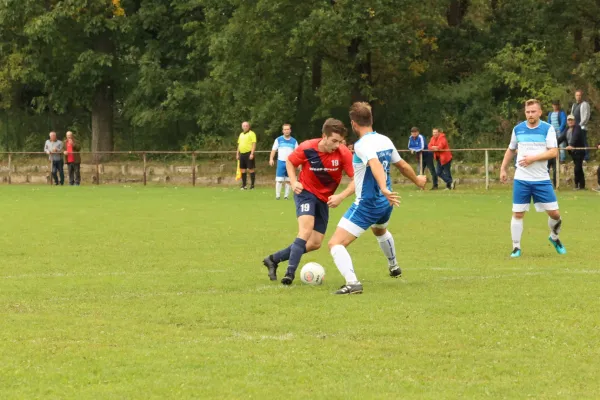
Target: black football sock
{"x":282,"y":255}
{"x":244,"y":179}
{"x":298,"y":248}
{"x":252,"y":178}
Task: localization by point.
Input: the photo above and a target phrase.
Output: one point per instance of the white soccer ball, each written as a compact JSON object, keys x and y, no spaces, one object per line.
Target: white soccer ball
{"x":312,"y":273}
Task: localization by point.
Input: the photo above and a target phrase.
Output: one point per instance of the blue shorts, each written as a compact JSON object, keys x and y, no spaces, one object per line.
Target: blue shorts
{"x":542,"y":192}
{"x":359,"y":218}
{"x":309,"y":204}
{"x":281,"y":174}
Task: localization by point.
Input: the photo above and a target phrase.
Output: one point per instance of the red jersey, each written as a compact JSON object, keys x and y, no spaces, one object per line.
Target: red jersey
{"x":70,"y":156}
{"x":321,"y":172}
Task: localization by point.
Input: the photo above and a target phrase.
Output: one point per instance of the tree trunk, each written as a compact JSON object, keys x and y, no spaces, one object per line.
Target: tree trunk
{"x":456,"y":12}
{"x":362,"y":71}
{"x":102,"y":104}
{"x":102,"y":121}
{"x":317,"y":71}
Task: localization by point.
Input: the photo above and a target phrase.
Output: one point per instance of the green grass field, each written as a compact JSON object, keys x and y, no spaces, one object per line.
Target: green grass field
{"x":154,"y":293}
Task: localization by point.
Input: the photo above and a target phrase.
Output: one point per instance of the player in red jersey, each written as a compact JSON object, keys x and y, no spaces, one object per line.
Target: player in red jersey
{"x":322,"y":161}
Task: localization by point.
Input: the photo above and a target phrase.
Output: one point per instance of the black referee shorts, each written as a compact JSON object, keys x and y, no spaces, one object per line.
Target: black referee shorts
{"x":245,"y":161}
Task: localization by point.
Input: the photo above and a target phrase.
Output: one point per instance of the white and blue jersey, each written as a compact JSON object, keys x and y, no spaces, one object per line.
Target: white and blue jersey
{"x":533,"y":181}
{"x":284,"y":148}
{"x":371,"y":207}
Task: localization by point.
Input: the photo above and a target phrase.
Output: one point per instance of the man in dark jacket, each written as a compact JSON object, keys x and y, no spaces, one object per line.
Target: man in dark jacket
{"x":73,"y":159}
{"x":574,"y":138}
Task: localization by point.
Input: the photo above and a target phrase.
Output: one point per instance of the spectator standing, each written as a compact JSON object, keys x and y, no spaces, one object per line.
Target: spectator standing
{"x":73,"y":159}
{"x":581,"y":111}
{"x":418,"y":146}
{"x":574,"y":139}
{"x":443,"y":155}
{"x":54,"y":149}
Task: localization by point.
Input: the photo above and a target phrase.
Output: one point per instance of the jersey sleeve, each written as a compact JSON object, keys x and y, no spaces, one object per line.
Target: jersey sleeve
{"x":347,"y":161}
{"x":551,"y":141}
{"x":364,"y":153}
{"x":253,"y":138}
{"x":297,"y":157}
{"x":295,"y":144}
{"x":239,"y":138}
{"x":395,"y":156}
{"x":275,"y":145}
{"x":513,"y":141}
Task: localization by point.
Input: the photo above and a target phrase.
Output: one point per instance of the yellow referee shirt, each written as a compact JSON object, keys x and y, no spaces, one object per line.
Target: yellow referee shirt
{"x":245,"y":141}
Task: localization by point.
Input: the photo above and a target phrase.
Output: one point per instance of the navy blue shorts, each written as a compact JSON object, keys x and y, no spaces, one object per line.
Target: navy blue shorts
{"x":309,"y":204}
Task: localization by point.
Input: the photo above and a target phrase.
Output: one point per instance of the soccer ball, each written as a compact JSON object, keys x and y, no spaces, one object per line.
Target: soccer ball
{"x":312,"y":273}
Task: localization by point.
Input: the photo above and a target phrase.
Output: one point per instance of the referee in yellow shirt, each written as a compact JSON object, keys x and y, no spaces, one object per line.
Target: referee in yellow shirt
{"x":245,"y":154}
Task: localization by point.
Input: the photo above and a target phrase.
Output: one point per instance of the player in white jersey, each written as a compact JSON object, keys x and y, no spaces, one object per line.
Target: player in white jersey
{"x":284,"y":146}
{"x":535,"y":141}
{"x":373,"y":156}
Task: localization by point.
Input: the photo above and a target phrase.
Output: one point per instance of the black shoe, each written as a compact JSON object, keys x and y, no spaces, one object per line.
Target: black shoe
{"x":277,"y":198}
{"x":272,"y":267}
{"x":287,"y":279}
{"x":354,"y":288}
{"x":434,"y":188}
{"x":395,"y":272}
{"x":286,"y":198}
{"x":251,"y":187}
{"x":244,"y":188}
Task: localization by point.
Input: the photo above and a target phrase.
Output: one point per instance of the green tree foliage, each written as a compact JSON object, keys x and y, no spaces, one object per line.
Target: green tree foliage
{"x":172,"y":74}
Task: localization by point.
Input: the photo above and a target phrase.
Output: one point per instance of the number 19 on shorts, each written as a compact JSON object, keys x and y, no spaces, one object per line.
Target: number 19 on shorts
{"x":305,"y":207}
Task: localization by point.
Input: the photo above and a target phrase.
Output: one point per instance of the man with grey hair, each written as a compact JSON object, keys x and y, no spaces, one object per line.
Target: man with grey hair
{"x":54,"y":149}
{"x":581,"y":111}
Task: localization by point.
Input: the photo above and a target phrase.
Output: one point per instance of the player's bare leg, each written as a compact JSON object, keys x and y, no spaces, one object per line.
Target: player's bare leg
{"x":337,"y":246}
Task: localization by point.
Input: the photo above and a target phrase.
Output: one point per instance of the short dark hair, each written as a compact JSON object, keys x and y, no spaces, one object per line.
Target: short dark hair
{"x":414,"y":129}
{"x":580,"y":91}
{"x":284,"y":125}
{"x":333,"y":125}
{"x":360,"y":113}
{"x":556,"y":102}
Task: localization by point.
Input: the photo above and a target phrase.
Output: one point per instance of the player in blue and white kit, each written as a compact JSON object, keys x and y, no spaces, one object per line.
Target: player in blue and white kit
{"x":284,"y":146}
{"x":373,"y":156}
{"x":535,"y":141}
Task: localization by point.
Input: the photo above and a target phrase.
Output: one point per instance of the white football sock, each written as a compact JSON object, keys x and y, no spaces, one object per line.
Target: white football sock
{"x":287,"y":189}
{"x":516,"y":230}
{"x":386,"y":242}
{"x":278,"y":185}
{"x":343,"y":262}
{"x":554,"y":225}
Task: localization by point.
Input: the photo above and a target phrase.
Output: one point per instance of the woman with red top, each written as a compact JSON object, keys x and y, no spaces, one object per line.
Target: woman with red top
{"x":73,"y":159}
{"x":443,"y":155}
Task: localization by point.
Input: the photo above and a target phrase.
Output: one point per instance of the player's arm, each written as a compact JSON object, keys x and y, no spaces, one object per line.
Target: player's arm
{"x":406,"y":170}
{"x":291,"y":170}
{"x":273,"y":151}
{"x":252,"y":151}
{"x":381,"y":179}
{"x":336,"y":199}
{"x":508,"y":157}
{"x":237,"y":152}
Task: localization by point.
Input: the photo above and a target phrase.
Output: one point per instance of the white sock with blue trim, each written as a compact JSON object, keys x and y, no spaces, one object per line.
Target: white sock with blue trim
{"x":278,"y":186}
{"x":343,"y":262}
{"x":386,"y":242}
{"x":287,"y":189}
{"x":516,"y":231}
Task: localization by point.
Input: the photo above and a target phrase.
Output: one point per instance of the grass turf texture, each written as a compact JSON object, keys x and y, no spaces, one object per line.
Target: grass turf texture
{"x":113,"y":292}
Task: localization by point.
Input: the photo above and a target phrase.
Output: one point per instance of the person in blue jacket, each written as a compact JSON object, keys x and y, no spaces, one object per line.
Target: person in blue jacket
{"x":558,"y":119}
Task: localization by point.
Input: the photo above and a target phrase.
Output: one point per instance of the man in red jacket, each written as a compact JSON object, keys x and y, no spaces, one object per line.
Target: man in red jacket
{"x":442,"y":154}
